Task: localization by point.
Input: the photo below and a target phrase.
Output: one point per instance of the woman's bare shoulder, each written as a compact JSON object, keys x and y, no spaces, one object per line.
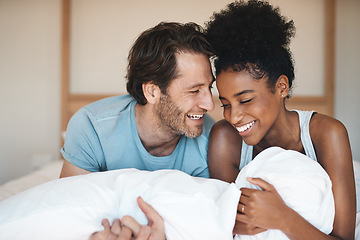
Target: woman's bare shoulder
{"x":223,"y":127}
{"x":330,"y":140}
{"x":224,"y":151}
{"x":323,"y":127}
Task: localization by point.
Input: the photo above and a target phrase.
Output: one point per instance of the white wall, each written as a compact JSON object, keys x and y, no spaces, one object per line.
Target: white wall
{"x":30,"y":73}
{"x":347,"y":93}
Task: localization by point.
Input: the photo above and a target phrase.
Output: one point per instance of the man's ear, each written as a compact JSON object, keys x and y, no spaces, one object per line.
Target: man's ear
{"x":151,"y":92}
{"x":282,"y":86}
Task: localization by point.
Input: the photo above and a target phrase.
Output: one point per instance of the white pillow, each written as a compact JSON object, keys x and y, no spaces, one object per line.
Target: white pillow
{"x":72,"y":208}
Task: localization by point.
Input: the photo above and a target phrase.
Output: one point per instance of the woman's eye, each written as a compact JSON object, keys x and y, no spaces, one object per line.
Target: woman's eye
{"x":246,"y":101}
{"x":225,"y":106}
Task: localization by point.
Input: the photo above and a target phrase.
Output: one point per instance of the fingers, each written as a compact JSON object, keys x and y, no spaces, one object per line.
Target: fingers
{"x":246,"y":229}
{"x":105,"y":222}
{"x":140,"y":232}
{"x":105,"y":234}
{"x":261,"y":183}
{"x":241,"y":208}
{"x":246,"y":193}
{"x":116,"y":227}
{"x":102,"y":235}
{"x":128,"y":227}
{"x":125,"y":234}
{"x":132,"y":224}
{"x":144,"y":233}
{"x":150,"y":212}
{"x":155,"y":220}
{"x":241,"y":218}
{"x":244,"y":199}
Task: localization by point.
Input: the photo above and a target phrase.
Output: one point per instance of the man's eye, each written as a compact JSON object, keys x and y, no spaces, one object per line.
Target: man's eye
{"x":195,"y":91}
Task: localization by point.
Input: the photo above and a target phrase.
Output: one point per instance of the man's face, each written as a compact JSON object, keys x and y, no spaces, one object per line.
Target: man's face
{"x":188,"y":96}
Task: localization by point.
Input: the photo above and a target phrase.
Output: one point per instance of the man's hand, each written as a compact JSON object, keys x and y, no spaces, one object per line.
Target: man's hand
{"x":113,"y":232}
{"x":129,"y":229}
{"x":155,"y":225}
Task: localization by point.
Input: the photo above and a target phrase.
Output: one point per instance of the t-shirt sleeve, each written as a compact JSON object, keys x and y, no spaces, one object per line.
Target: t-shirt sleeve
{"x":82,"y":146}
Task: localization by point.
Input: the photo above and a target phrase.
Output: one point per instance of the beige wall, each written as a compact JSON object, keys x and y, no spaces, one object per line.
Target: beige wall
{"x":30,"y":63}
{"x":347,"y":85}
{"x":100,"y":42}
{"x":29,"y":84}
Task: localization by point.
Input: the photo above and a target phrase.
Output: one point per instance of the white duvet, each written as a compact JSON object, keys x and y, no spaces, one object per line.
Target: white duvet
{"x":302,"y":183}
{"x":192,"y":208}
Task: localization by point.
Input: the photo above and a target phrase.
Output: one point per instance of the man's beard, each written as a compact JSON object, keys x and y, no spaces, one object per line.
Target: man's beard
{"x":174,"y":118}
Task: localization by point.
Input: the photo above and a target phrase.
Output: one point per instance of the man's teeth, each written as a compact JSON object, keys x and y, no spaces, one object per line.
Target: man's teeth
{"x":195,"y":116}
{"x":245,"y":127}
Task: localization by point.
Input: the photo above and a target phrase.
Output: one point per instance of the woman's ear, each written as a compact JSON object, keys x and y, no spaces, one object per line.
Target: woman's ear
{"x":282,"y":86}
{"x":151,"y":92}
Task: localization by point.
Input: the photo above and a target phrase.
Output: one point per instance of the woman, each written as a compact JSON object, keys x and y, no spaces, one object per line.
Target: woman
{"x":254,"y":77}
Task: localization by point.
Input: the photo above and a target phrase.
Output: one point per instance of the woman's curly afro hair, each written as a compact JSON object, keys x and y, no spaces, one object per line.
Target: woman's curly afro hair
{"x":252,"y":36}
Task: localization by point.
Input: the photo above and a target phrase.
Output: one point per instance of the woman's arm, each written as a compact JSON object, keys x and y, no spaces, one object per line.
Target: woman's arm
{"x":332,"y":146}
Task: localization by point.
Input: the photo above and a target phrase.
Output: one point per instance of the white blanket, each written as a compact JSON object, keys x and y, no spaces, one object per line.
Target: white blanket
{"x":72,"y":208}
{"x":301,"y":182}
{"x":192,"y":208}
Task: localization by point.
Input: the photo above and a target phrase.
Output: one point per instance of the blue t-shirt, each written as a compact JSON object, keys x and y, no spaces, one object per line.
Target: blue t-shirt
{"x":103,"y":136}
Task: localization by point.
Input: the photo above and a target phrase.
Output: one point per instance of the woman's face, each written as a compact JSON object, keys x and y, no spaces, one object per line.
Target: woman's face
{"x":248,"y":103}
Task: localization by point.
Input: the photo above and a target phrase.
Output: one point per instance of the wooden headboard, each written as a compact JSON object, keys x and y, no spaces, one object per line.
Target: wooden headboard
{"x":71,"y":102}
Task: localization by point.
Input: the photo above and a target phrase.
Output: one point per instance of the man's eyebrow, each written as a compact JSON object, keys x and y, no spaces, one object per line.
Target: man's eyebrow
{"x":195,"y":85}
{"x":239,"y":93}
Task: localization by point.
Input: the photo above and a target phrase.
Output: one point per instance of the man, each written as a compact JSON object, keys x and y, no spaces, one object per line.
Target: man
{"x":162,"y":123}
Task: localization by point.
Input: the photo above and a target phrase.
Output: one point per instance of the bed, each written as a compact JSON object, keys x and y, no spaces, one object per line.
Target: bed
{"x":71,"y":102}
{"x":46,"y":173}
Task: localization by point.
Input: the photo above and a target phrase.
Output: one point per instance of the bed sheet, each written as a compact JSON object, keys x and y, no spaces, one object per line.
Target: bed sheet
{"x":44,"y":174}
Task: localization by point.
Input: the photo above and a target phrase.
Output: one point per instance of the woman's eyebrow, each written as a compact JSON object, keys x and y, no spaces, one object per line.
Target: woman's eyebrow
{"x":239,"y":93}
{"x":243,"y":92}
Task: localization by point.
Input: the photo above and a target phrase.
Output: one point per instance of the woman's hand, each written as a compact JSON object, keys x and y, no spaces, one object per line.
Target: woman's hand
{"x":246,"y":229}
{"x":263,"y":209}
{"x":129,"y":229}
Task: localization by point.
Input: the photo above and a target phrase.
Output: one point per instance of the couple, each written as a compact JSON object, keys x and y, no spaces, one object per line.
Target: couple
{"x":162,"y":123}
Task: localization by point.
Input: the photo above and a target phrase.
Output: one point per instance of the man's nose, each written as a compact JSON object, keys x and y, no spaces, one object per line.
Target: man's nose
{"x":207,"y":102}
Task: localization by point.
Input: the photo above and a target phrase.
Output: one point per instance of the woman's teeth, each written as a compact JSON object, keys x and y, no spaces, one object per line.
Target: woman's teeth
{"x":245,"y":127}
{"x":195,"y":116}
